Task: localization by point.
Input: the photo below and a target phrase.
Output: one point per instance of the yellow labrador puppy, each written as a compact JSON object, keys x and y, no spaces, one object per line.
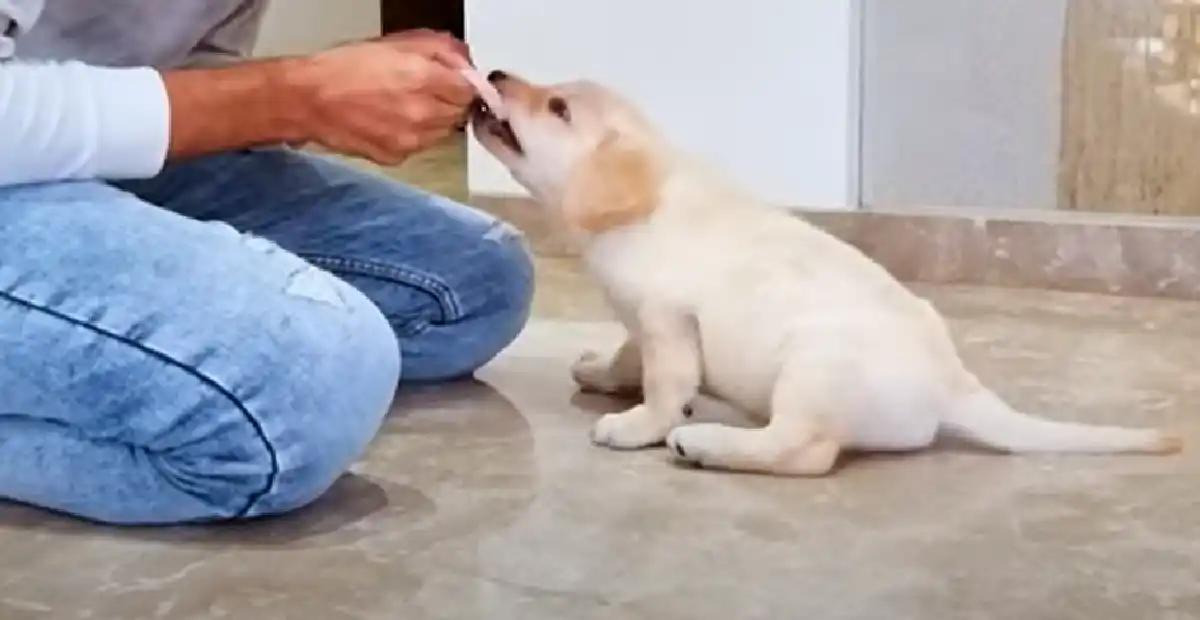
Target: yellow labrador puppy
{"x":722,"y":293}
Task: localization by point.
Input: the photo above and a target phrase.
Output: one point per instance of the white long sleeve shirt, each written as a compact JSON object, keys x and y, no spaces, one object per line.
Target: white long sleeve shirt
{"x":81,"y":96}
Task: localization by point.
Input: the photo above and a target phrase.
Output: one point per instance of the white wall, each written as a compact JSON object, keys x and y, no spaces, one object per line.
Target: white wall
{"x":299,"y":26}
{"x":765,"y":88}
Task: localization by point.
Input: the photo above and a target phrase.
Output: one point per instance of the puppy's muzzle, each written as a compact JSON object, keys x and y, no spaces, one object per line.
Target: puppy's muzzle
{"x":487,"y":120}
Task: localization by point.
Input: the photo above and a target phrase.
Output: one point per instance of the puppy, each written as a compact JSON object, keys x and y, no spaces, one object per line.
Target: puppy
{"x":724,"y":294}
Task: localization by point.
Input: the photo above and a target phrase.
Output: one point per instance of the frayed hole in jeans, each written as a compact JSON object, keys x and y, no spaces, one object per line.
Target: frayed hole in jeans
{"x":501,"y":230}
{"x":312,"y":283}
{"x":304,"y":280}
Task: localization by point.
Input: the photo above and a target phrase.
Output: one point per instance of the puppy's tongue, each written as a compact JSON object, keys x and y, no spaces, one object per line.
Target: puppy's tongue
{"x":487,"y":92}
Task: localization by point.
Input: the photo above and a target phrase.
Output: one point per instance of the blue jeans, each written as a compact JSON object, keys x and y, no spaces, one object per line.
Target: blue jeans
{"x":224,"y":340}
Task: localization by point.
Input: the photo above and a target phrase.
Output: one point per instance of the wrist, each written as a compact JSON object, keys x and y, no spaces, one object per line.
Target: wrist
{"x":293,"y":88}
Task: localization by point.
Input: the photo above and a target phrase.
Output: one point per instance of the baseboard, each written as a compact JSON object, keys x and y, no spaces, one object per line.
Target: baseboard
{"x":1114,"y":254}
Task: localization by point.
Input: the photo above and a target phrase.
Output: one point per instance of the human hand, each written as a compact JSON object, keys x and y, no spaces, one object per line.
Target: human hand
{"x":382,"y":99}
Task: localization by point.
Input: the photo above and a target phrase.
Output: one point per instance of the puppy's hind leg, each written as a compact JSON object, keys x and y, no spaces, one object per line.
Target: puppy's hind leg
{"x":797,"y":441}
{"x":622,"y":374}
{"x":767,"y":450}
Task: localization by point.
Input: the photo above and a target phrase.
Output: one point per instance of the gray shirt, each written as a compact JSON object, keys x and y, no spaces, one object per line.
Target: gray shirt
{"x":81,"y":96}
{"x":129,"y":33}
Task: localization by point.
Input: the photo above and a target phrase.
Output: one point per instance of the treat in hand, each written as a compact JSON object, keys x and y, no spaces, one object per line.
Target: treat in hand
{"x":487,"y":92}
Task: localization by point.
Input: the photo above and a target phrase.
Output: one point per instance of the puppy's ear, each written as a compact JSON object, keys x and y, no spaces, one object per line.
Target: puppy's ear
{"x":617,"y":184}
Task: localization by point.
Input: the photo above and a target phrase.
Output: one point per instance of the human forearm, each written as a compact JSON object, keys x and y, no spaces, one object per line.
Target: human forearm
{"x":237,"y":106}
{"x":382,"y":99}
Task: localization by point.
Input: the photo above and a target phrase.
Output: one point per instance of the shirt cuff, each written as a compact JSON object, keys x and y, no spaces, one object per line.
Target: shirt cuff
{"x":133,"y":116}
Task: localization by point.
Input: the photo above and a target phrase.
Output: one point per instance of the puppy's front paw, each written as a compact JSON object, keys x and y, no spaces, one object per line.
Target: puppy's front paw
{"x":691,"y":444}
{"x":592,"y":373}
{"x":638,"y":427}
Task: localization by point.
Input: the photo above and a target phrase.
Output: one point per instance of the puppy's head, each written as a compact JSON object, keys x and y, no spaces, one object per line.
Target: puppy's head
{"x":577,"y":147}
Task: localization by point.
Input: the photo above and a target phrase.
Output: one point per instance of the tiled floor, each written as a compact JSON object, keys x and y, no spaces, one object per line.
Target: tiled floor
{"x":485,"y":500}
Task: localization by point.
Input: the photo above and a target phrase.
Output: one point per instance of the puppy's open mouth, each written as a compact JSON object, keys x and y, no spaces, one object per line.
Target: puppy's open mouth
{"x":486,"y":120}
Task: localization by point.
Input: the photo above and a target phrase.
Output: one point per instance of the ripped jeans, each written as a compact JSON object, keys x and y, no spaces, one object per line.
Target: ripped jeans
{"x":224,"y":340}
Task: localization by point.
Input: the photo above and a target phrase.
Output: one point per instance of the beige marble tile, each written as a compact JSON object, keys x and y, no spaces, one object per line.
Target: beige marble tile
{"x":485,"y":500}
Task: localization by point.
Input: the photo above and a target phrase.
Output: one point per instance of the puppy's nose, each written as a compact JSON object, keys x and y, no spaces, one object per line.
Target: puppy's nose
{"x":497,"y":76}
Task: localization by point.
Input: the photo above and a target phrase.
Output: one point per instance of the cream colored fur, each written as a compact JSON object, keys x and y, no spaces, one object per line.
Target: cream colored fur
{"x":723,"y":294}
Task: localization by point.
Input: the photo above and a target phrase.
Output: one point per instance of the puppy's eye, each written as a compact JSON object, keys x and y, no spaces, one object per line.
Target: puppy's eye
{"x":558,"y":107}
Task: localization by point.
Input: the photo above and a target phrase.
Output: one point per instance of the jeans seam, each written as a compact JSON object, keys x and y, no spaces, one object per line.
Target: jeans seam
{"x":212,"y":383}
{"x":437,"y":288}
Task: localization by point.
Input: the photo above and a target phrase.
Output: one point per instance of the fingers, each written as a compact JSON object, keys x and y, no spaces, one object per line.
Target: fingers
{"x":426,"y":79}
{"x":460,"y":53}
{"x":436,"y":79}
{"x":449,"y":86}
{"x":433,"y":136}
{"x":396,"y":96}
{"x":432,"y":114}
{"x":447,"y":58}
{"x":392,"y":151}
{"x":447,"y":117}
{"x":440,"y":46}
{"x":379,"y":136}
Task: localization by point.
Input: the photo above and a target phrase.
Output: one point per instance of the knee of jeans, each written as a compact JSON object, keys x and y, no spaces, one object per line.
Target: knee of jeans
{"x":496,"y":313}
{"x":307,"y":417}
{"x":342,"y":407}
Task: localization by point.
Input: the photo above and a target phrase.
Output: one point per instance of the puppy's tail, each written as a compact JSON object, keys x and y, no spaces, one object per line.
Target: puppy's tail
{"x":980,"y":415}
